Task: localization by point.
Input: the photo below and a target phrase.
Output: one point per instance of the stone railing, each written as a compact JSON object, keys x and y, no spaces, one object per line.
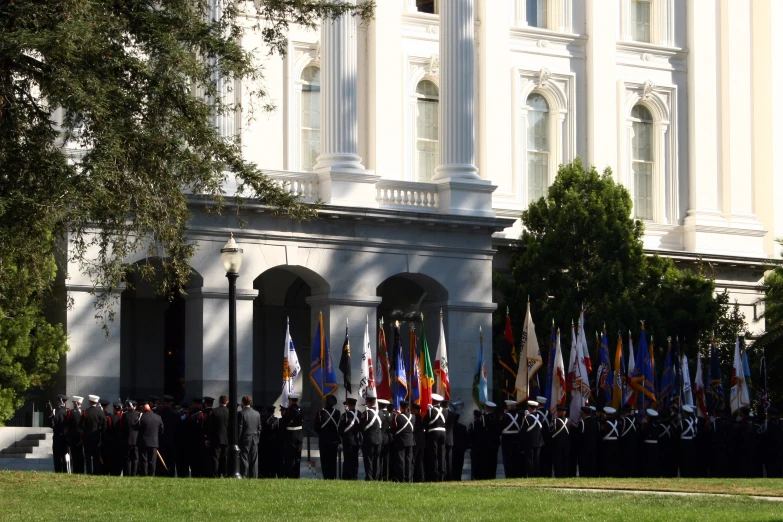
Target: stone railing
{"x":407,"y":195}
{"x":302,"y":184}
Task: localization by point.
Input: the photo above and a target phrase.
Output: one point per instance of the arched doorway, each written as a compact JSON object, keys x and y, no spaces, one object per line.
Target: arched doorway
{"x":282,"y":296}
{"x":152,"y":339}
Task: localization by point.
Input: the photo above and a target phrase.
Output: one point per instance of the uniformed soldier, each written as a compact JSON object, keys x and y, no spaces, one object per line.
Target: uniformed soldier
{"x":130,"y":437}
{"x":629,"y":443}
{"x":532,"y":440}
{"x":419,"y":438}
{"x":610,"y":433}
{"x":182,"y":439}
{"x":667,"y":445}
{"x":350,"y":434}
{"x":510,"y":442}
{"x":93,"y":426}
{"x":403,"y":442}
{"x":686,"y":428}
{"x":57,"y":419}
{"x":461,"y":441}
{"x":545,"y":457}
{"x":168,"y":443}
{"x":206,"y":455}
{"x":772,"y":435}
{"x":270,"y":446}
{"x":117,"y":440}
{"x":386,"y":439}
{"x":107,"y":440}
{"x":476,"y":436}
{"x":491,"y":441}
{"x":75,"y":435}
{"x":561,"y":443}
{"x":326,"y":426}
{"x":650,"y":455}
{"x":435,"y":441}
{"x":291,"y":424}
{"x":195,"y":430}
{"x":589,"y":435}
{"x":372,"y":438}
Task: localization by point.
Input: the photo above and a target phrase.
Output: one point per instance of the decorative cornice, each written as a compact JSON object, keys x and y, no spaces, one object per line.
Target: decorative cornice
{"x":651,"y":56}
{"x":370,"y":301}
{"x":533,"y":40}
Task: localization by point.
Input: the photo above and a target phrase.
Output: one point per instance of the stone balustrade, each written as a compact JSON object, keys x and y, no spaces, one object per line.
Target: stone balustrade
{"x":407,"y":195}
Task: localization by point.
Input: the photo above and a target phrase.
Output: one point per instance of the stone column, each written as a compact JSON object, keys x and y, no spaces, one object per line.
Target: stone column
{"x":460,"y":190}
{"x":601,"y":48}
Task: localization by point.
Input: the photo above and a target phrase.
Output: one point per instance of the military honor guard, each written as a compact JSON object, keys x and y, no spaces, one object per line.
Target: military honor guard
{"x":587,"y":448}
{"x":402,"y":426}
{"x":459,"y":441}
{"x":419,"y":437}
{"x":687,"y":442}
{"x":650,"y":457}
{"x":350,"y":435}
{"x":130,"y":438}
{"x":168,"y":443}
{"x":386,"y":411}
{"x":291,"y":424}
{"x":491,"y":441}
{"x":629,"y":443}
{"x":532,"y":440}
{"x":75,"y":435}
{"x":560,"y":441}
{"x":57,"y":420}
{"x":610,"y":435}
{"x":435,"y":441}
{"x":327,"y":424}
{"x":510,"y":441}
{"x":372,"y":438}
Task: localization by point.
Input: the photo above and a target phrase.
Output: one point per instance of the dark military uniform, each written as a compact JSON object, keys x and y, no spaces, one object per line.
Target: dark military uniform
{"x":420,"y":441}
{"x":511,"y":444}
{"x":476,"y":437}
{"x":270,"y":463}
{"x":75,"y":436}
{"x":326,"y":425}
{"x":629,"y":446}
{"x":195,"y":441}
{"x":650,"y":455}
{"x":130,"y":436}
{"x":461,"y":443}
{"x":532,"y":442}
{"x":93,"y":426}
{"x":372,"y":438}
{"x":59,"y":440}
{"x":688,"y":463}
{"x":610,"y":433}
{"x":772,"y":436}
{"x":560,"y":444}
{"x":435,"y":444}
{"x":403,"y":442}
{"x":182,"y":441}
{"x":168,"y":443}
{"x":545,"y":455}
{"x":350,"y":434}
{"x":386,"y":442}
{"x":589,"y":437}
{"x":117,"y":441}
{"x":491,"y":440}
{"x":291,"y":425}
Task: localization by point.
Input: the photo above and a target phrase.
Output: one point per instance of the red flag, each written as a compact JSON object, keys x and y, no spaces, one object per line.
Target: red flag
{"x":382,"y":371}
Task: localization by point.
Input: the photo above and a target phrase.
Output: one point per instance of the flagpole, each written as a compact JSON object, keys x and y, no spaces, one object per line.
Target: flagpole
{"x":321,"y":348}
{"x":346,"y":334}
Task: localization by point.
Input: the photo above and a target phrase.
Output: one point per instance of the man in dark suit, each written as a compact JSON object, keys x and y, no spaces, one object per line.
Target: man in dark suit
{"x":74,"y":434}
{"x":150,"y":428}
{"x":249,"y":421}
{"x":93,"y":426}
{"x":59,"y":440}
{"x":130,"y":439}
{"x":326,"y":422}
{"x":168,"y":449}
{"x":217,"y":438}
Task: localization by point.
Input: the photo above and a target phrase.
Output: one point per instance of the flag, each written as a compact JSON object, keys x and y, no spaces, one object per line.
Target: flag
{"x":480,"y":376}
{"x":400,"y":383}
{"x":321,"y":369}
{"x":630,"y":394}
{"x":550,"y":365}
{"x":698,"y":390}
{"x":367,"y":373}
{"x":345,"y":361}
{"x":667,"y":381}
{"x":529,"y":360}
{"x":580,"y":387}
{"x":687,"y":387}
{"x":291,"y":367}
{"x":556,"y":389}
{"x":739,"y":388}
{"x":716,"y":396}
{"x":426,"y":374}
{"x":412,"y":367}
{"x":508,"y":358}
{"x":677,"y":372}
{"x":572,"y":357}
{"x":746,"y":371}
{"x":441,"y":362}
{"x":642,"y":377}
{"x":383,"y":369}
{"x":603,"y":379}
{"x":618,"y":394}
{"x":763,"y":398}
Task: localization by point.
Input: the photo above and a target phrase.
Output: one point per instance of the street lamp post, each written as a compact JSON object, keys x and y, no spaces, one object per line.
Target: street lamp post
{"x":231,"y":256}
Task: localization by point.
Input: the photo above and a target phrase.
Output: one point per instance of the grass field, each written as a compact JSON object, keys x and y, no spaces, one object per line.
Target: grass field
{"x":45,"y":496}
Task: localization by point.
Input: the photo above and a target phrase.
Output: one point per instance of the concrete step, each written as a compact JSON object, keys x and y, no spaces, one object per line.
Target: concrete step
{"x":38,"y":451}
{"x":40,"y":436}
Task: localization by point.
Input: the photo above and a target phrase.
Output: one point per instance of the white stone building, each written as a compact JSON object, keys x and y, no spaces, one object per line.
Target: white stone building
{"x":426,"y":132}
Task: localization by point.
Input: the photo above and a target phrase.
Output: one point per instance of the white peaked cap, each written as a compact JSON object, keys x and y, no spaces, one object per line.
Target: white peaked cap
{"x":93,"y":398}
{"x":651,"y":412}
{"x":609,"y":410}
{"x":541,"y":400}
{"x":511,"y":403}
{"x":383,"y":401}
{"x":436,"y":397}
{"x":76,"y":398}
{"x":293,"y":395}
{"x":688,"y":408}
{"x":490,"y":404}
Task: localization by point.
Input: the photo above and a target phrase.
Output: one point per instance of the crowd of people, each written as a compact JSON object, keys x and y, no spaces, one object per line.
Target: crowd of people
{"x":160,"y":437}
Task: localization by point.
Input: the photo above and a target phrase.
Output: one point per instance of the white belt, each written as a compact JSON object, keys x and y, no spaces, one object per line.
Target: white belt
{"x":610,"y":438}
{"x":293,"y":428}
{"x":651,"y":441}
{"x":510,"y":432}
{"x":686,"y":438}
{"x":437,"y":429}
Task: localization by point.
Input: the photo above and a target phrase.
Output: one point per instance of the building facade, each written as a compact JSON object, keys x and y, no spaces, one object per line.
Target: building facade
{"x":426,"y":132}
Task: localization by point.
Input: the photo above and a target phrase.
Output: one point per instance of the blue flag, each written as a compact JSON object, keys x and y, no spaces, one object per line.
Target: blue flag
{"x":400,"y":383}
{"x":322,"y":373}
{"x":550,"y":366}
{"x":642,"y":378}
{"x":716,"y":398}
{"x":604,"y":379}
{"x":668,"y":383}
{"x":746,"y":369}
{"x":480,"y":377}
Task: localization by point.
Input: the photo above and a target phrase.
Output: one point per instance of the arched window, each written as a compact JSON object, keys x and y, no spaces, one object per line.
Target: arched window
{"x":642,"y":162}
{"x":427,"y":132}
{"x":535,"y":11}
{"x":427,"y":6}
{"x":640,"y":20}
{"x":537,"y":147}
{"x":311,"y":117}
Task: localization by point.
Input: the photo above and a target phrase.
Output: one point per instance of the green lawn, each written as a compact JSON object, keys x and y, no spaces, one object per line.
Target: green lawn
{"x":45,"y":496}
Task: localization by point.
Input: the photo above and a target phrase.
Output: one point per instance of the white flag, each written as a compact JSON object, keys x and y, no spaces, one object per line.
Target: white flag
{"x":367,"y":376}
{"x":580,"y":388}
{"x":558,"y":384}
{"x":441,"y":369}
{"x":291,"y":367}
{"x":687,"y":392}
{"x":629,"y":372}
{"x":530,"y":358}
{"x":739,"y":389}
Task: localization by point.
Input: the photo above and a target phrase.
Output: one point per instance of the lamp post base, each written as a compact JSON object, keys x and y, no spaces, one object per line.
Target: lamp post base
{"x":233,"y":462}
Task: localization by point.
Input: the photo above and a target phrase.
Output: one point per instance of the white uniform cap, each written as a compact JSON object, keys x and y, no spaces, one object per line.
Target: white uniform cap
{"x":592,"y":408}
{"x":511,"y":403}
{"x":541,"y":400}
{"x":688,"y":408}
{"x":532,"y":404}
{"x":490,"y":404}
{"x":371,"y":394}
{"x":383,"y":401}
{"x":76,"y":398}
{"x":609,"y":410}
{"x":293,"y":395}
{"x":651,"y":412}
{"x":436,"y":397}
{"x":93,"y":398}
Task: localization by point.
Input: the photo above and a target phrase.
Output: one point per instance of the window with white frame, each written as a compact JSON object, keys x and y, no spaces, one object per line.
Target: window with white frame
{"x":641,"y":11}
{"x":642,"y":161}
{"x":427,"y":6}
{"x":310,"y":124}
{"x":535,"y":11}
{"x":537,"y":147}
{"x":427,"y":132}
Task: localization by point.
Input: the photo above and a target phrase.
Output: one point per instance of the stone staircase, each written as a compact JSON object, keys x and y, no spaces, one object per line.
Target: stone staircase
{"x":33,"y":452}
